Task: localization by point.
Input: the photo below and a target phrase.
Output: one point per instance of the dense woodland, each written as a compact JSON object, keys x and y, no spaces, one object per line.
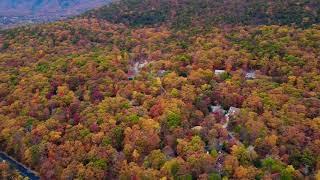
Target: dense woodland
{"x":184,"y":13}
{"x":70,"y":108}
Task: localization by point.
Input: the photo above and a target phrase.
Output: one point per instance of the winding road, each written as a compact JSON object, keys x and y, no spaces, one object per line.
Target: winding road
{"x":22,"y":169}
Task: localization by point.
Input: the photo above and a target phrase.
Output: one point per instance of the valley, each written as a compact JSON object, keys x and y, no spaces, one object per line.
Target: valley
{"x":15,"y":13}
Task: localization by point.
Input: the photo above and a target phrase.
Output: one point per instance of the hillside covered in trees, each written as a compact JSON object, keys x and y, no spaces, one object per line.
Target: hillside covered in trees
{"x":186,"y":13}
{"x":166,"y":89}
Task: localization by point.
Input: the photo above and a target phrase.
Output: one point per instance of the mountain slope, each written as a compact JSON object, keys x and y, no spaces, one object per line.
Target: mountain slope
{"x":94,"y":98}
{"x":184,"y":13}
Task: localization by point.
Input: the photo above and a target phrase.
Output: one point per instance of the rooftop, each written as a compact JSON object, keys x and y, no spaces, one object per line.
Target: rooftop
{"x":219,"y":71}
{"x":251,"y":75}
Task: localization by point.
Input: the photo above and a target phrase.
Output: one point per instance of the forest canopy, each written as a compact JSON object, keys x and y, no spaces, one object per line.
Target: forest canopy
{"x":145,"y":89}
{"x":184,"y":13}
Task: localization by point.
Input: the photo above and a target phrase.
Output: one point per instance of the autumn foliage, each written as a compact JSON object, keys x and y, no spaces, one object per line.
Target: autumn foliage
{"x":69,"y":111}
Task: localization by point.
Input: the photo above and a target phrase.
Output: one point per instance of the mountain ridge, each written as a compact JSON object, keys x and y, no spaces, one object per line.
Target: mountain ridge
{"x":19,"y":12}
{"x":44,"y":7}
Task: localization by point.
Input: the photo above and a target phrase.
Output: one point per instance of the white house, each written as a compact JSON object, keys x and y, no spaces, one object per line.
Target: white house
{"x":251,"y":75}
{"x":197,"y":128}
{"x":233,"y":111}
{"x":161,"y":73}
{"x":219,"y":71}
{"x":217,"y":109}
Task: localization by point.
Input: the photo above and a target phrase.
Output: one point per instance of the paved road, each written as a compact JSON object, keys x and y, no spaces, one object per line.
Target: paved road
{"x":23,"y":170}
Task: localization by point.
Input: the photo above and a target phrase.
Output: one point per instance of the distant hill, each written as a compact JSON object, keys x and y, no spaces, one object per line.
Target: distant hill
{"x":190,"y":13}
{"x":13,"y":12}
{"x":46,"y":7}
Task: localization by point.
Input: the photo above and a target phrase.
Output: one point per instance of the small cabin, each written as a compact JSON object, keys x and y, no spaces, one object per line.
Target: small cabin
{"x":161,"y":73}
{"x":217,"y":109}
{"x":251,"y":75}
{"x":143,"y":64}
{"x":219,"y":71}
{"x":197,"y":128}
{"x":137,"y":66}
{"x":233,"y":111}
